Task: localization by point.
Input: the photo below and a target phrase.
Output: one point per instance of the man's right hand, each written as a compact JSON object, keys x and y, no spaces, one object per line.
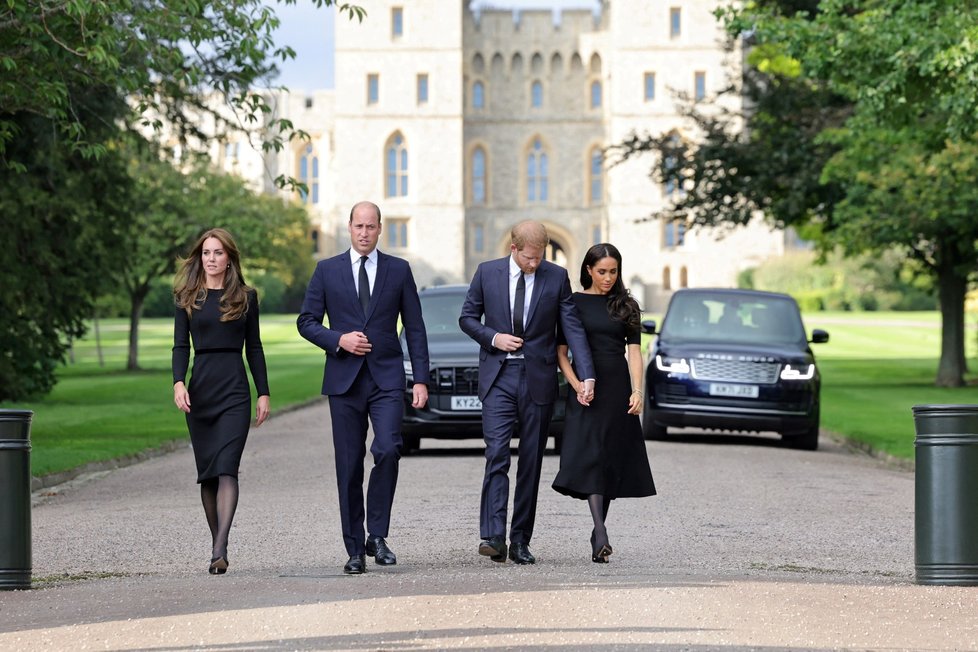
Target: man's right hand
{"x":508,"y":343}
{"x":355,"y":343}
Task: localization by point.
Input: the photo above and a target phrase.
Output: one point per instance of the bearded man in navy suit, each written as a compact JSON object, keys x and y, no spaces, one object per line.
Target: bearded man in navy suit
{"x":522,"y":299}
{"x":362,"y":292}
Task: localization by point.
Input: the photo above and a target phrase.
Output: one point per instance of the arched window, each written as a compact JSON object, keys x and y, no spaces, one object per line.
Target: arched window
{"x":479,"y":176}
{"x":683,"y":277}
{"x":536,"y":173}
{"x":396,"y":166}
{"x":666,"y":278}
{"x":478,"y":95}
{"x":596,"y":174}
{"x":536,"y":94}
{"x":309,"y":175}
{"x":595,"y":94}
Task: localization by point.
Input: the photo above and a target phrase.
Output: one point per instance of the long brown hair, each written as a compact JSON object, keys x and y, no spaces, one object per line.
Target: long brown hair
{"x":190,"y":285}
{"x":621,"y":305}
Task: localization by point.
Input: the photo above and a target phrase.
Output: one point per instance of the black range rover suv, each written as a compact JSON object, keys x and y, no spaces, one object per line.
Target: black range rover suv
{"x":454,"y":410}
{"x":733,"y":360}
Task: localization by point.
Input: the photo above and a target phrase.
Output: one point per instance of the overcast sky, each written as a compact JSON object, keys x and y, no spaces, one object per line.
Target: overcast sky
{"x":310,"y":33}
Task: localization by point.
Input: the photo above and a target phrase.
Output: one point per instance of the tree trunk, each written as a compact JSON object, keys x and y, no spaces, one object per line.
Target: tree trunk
{"x":136,"y":311}
{"x":952,"y":287}
{"x":98,"y":340}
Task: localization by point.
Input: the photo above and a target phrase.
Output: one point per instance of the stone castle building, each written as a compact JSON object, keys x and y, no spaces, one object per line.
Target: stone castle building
{"x":461,"y":122}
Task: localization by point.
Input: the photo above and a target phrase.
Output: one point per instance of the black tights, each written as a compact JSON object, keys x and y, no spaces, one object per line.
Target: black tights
{"x":220,"y":498}
{"x":599,"y":506}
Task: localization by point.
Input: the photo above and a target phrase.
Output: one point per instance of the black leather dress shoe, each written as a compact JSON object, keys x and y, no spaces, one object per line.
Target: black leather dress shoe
{"x":377,"y":548}
{"x":494,"y":548}
{"x":356,"y":566}
{"x":520,"y":554}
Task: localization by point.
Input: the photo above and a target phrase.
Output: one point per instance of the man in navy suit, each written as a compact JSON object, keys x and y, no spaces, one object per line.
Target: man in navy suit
{"x":522,"y":298}
{"x":362,"y":292}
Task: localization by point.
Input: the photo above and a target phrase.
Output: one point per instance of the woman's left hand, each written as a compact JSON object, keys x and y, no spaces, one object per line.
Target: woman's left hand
{"x":635,"y":402}
{"x":262,"y":411}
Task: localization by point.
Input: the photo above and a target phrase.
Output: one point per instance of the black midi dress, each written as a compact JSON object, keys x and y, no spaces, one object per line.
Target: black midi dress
{"x":220,"y":398}
{"x":603,"y":451}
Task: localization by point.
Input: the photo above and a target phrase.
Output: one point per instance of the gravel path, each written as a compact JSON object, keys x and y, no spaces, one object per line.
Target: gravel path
{"x":748,"y":546}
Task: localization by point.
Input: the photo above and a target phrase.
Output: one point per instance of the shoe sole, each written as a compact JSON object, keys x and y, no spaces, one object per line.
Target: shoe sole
{"x":488,"y":551}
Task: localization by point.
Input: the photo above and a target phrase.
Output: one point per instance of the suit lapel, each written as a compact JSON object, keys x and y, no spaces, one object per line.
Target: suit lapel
{"x":504,"y":284}
{"x":539,"y":281}
{"x":346,"y":273}
{"x":380,"y":278}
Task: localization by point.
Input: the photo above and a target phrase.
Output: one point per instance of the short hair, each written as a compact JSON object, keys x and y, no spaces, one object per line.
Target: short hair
{"x":529,"y":232}
{"x":365,"y":203}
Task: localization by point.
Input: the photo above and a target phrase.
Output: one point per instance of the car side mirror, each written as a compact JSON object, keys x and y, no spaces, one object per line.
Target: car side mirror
{"x":648,"y":326}
{"x":819,"y":336}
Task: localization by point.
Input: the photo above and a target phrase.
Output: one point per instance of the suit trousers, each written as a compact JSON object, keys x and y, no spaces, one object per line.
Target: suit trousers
{"x":348,"y":414}
{"x":508,"y":410}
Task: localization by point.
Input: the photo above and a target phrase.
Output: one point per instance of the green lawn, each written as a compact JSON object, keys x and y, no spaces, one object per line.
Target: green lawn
{"x":875,"y":367}
{"x":98,"y":413}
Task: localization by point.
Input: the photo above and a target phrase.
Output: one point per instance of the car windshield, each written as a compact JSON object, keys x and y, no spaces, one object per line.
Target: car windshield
{"x":441,"y":313}
{"x":724,"y":317}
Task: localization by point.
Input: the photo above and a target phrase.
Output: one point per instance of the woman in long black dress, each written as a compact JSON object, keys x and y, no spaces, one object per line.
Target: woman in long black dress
{"x":603,"y":455}
{"x":220,"y":313}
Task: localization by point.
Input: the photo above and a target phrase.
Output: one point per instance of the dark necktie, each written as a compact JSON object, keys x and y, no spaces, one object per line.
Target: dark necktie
{"x":518,"y":306}
{"x":364,"y":284}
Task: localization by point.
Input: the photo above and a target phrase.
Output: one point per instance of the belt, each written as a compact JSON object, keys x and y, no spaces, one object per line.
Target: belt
{"x":217,"y":350}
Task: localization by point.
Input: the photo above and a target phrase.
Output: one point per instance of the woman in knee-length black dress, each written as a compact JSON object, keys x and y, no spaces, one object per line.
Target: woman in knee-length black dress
{"x":603,"y":455}
{"x":220,"y":314}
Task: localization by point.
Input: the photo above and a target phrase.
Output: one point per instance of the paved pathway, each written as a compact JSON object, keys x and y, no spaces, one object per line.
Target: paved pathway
{"x":748,"y":546}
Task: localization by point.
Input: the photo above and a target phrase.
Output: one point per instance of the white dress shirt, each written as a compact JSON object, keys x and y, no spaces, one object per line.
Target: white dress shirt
{"x":371,"y":268}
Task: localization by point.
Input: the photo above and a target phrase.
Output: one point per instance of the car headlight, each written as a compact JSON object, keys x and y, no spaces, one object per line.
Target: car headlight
{"x":672,"y":365}
{"x":802,"y":373}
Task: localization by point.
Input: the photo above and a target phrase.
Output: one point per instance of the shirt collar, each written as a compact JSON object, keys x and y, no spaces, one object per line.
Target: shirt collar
{"x":514,"y":269}
{"x":355,"y":257}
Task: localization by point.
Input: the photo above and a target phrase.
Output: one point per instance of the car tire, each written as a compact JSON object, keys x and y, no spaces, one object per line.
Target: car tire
{"x":808,"y":440}
{"x":652,"y":430}
{"x":411,"y":444}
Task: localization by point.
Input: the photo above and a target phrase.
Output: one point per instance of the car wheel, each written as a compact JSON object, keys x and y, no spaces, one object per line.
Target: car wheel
{"x":808,"y":440}
{"x":652,"y":430}
{"x":558,"y":443}
{"x":411,"y":444}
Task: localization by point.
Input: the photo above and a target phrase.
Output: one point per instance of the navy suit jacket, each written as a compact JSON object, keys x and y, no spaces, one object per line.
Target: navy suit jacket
{"x":333,"y":293}
{"x":550,"y":303}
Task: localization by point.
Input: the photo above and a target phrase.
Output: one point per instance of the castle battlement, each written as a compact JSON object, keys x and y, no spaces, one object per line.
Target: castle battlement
{"x":531,"y":23}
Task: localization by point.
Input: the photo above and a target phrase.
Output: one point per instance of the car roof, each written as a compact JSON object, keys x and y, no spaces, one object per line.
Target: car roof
{"x":456,"y":288}
{"x":735,"y":292}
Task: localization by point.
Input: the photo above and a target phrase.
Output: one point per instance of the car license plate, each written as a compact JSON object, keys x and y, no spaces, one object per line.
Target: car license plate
{"x":466,"y":403}
{"x":736,"y":391}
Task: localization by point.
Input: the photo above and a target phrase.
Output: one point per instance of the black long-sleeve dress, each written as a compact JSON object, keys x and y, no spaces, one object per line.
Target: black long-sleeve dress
{"x":603,"y":451}
{"x":220,"y":398}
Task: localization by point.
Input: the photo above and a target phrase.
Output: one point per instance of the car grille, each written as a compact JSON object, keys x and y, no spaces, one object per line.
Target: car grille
{"x":761,"y":373}
{"x":458,"y":381}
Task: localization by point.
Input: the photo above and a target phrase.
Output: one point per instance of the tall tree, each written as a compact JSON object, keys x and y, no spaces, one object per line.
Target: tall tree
{"x":891,"y":115}
{"x":167,"y":57}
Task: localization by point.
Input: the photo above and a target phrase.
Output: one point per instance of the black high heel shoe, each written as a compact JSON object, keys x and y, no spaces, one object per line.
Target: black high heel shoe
{"x":219,"y":566}
{"x":600,"y":553}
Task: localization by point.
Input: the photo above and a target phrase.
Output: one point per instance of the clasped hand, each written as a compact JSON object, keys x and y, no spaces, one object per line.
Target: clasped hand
{"x":355,"y":343}
{"x":585,"y":392}
{"x":508,"y":343}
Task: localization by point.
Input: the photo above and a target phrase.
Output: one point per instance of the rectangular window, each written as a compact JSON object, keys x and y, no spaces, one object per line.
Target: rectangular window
{"x":699,"y":84}
{"x":397,"y":22}
{"x":423,"y":88}
{"x":397,"y":233}
{"x":649,"y":86}
{"x":596,"y":234}
{"x":675,"y":22}
{"x":675,"y":234}
{"x":373,"y":88}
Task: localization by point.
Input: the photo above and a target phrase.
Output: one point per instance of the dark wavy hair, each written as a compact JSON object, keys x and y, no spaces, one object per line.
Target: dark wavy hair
{"x":621,"y":305}
{"x":190,"y":285}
